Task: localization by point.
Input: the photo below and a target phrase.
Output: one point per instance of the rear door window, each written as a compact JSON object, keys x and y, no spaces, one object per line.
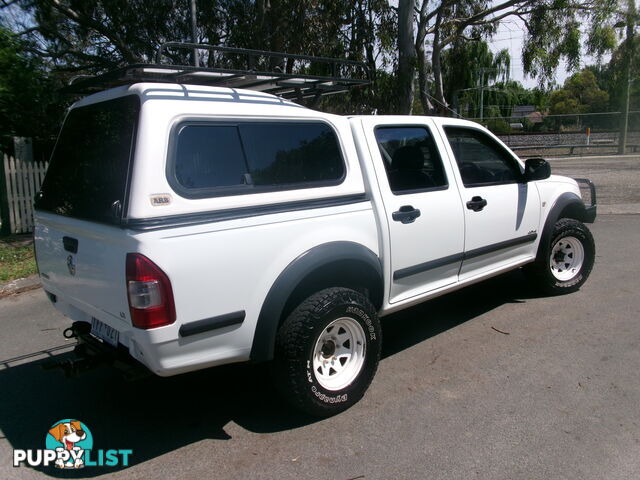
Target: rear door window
{"x":89,"y":170}
{"x":411,"y":159}
{"x":214,"y":159}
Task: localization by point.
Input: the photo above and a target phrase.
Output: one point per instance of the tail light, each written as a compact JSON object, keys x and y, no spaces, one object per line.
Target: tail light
{"x":150,"y":294}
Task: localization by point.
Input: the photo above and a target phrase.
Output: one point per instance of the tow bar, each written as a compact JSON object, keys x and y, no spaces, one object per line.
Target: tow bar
{"x":91,"y":353}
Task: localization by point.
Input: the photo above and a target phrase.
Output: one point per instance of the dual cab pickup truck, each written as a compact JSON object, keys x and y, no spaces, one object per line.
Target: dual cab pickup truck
{"x":189,"y":226}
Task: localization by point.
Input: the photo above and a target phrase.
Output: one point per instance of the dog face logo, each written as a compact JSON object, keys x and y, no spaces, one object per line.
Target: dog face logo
{"x":69,"y":438}
{"x":69,"y":444}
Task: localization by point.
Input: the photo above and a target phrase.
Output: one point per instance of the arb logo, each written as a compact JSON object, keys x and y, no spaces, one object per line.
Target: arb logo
{"x":69,"y":444}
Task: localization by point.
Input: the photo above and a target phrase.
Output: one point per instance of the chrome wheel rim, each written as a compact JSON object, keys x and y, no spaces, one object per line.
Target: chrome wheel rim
{"x":339,"y":353}
{"x":567,"y":257}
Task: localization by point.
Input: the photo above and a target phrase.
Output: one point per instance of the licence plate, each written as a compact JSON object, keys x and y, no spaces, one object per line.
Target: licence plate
{"x":104,"y":332}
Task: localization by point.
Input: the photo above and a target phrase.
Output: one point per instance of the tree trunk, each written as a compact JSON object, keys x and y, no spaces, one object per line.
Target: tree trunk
{"x":629,"y":58}
{"x":423,"y":83}
{"x":436,"y":66}
{"x":406,"y":57}
{"x":262,"y":7}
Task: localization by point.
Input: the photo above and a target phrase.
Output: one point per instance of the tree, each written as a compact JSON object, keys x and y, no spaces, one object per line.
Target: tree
{"x":76,"y":37}
{"x":100,"y":35}
{"x":580,"y":94}
{"x":620,"y":77}
{"x":552,"y":28}
{"x":28,"y":102}
{"x":630,"y":51}
{"x":93,"y":37}
{"x":406,"y":56}
{"x":468,"y":67}
{"x":612,"y":77}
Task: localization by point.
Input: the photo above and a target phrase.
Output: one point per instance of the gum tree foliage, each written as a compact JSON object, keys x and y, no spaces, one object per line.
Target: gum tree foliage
{"x":612,"y":77}
{"x":28,"y":104}
{"x":552,"y":33}
{"x":91,"y":37}
{"x":398,"y":43}
{"x":616,"y":30}
{"x":360,"y":30}
{"x":88,"y":37}
{"x":625,"y":62}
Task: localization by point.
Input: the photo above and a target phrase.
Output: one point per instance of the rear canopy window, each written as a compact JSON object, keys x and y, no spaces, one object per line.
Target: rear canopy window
{"x":226,"y":159}
{"x":87,"y":178}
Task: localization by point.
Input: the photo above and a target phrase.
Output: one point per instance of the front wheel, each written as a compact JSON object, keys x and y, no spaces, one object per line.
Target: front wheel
{"x":327,"y":351}
{"x":565,"y":264}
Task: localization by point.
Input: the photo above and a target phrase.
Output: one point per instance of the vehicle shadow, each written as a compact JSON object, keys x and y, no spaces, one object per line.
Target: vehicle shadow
{"x":409,"y":327}
{"x":156,"y":415}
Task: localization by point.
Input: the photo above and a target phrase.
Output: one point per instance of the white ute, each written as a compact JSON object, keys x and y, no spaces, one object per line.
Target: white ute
{"x":188,"y":226}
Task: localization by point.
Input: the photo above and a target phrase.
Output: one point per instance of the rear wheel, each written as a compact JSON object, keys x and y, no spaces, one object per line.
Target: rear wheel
{"x":327,"y":351}
{"x":565,"y":264}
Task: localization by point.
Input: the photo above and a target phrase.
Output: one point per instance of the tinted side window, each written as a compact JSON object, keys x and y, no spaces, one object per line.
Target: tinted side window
{"x":480,"y":159}
{"x":281,"y":154}
{"x":411,"y":158}
{"x":219,"y":159}
{"x":209,"y":156}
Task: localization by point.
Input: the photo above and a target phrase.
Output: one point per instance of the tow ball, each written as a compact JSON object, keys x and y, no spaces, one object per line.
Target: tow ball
{"x":90,"y":353}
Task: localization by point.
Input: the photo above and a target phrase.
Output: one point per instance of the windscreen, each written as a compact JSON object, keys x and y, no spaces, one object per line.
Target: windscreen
{"x":87,"y":177}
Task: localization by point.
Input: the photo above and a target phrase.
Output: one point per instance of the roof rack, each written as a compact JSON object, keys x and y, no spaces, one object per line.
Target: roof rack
{"x":294,"y":77}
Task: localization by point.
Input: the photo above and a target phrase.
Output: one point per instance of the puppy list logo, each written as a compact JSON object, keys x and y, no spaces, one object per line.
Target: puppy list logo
{"x":69,"y":444}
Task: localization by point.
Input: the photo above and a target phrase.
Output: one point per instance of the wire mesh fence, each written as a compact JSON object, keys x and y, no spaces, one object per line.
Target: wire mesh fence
{"x":531,"y":132}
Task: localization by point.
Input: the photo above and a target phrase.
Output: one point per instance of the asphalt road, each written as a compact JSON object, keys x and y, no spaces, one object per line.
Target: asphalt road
{"x":492,"y":382}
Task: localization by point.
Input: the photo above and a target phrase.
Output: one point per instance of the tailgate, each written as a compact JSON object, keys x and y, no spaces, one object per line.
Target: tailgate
{"x":80,"y":248}
{"x":83,"y":263}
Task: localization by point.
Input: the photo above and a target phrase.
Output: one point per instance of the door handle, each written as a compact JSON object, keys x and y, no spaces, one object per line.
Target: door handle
{"x":406,"y":214}
{"x":476,"y":204}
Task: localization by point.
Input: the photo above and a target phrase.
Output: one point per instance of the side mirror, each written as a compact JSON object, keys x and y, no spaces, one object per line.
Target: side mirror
{"x":536,"y":169}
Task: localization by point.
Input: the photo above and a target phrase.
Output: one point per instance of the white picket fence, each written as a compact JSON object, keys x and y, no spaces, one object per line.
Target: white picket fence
{"x":23,"y":182}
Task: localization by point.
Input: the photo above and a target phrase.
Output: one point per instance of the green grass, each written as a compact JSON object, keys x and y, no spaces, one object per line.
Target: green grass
{"x":16,"y":258}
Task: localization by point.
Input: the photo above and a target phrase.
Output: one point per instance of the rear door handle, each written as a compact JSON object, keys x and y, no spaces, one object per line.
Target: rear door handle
{"x":476,"y":204}
{"x":406,"y":214}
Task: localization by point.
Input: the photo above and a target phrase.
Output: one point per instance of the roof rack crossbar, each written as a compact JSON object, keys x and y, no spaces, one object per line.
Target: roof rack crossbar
{"x":283,"y":82}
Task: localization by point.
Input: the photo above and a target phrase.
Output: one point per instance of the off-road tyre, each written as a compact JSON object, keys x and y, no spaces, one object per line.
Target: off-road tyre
{"x":325,"y":320}
{"x":564,"y":264}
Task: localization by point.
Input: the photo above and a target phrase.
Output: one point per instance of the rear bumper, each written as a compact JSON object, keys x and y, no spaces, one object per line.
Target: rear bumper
{"x":162,"y":350}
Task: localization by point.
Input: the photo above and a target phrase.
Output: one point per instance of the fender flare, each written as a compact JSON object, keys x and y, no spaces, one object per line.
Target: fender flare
{"x":296,"y":272}
{"x":565,"y":200}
